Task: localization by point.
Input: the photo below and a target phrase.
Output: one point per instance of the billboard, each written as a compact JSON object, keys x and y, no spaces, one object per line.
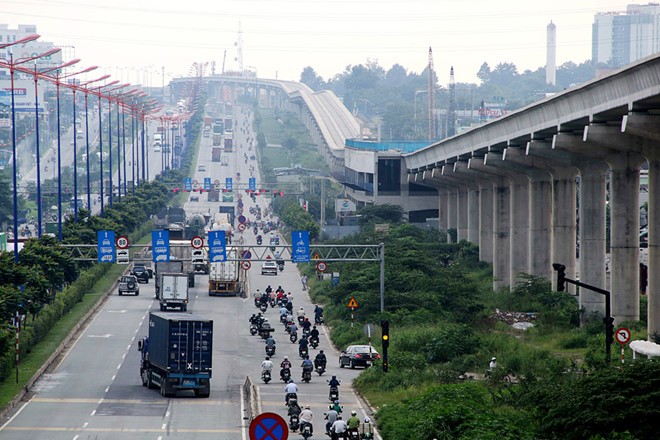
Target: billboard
{"x":344,"y":205}
{"x":23,"y":94}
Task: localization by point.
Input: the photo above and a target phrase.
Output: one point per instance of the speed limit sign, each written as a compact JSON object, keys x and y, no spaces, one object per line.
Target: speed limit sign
{"x":197,"y":242}
{"x":321,"y":266}
{"x":122,"y":242}
{"x":246,"y":265}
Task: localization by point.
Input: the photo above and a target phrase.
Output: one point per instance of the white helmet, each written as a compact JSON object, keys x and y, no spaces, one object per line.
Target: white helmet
{"x":367,"y":420}
{"x":353,"y":413}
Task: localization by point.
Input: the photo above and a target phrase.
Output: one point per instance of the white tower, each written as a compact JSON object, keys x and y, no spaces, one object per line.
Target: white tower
{"x":551,"y":61}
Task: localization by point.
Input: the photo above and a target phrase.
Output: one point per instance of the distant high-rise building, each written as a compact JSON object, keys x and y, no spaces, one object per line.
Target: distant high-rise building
{"x":551,"y":60}
{"x":27,"y":50}
{"x":619,"y":38}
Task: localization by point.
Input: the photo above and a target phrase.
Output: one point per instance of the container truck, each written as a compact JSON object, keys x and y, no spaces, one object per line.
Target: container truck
{"x":225,"y":278}
{"x":213,"y":195}
{"x":177,"y":354}
{"x":216,"y":154}
{"x":217,"y":139}
{"x":229,"y":143}
{"x":172,"y":266}
{"x":174,"y":291}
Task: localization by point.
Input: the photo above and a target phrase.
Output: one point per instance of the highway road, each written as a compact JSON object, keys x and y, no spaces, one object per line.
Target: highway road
{"x":95,"y":392}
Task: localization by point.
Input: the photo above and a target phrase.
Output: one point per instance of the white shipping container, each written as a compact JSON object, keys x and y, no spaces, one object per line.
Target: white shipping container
{"x":225,"y":271}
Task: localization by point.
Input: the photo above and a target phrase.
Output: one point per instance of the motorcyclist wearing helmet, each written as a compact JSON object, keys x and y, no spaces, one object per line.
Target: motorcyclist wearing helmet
{"x":330,"y":416}
{"x":334,"y":382}
{"x":266,"y":365}
{"x":307,"y":365}
{"x":353,"y":422}
{"x":270,"y":341}
{"x":314,"y":333}
{"x":290,"y":390}
{"x":307,"y":417}
{"x":367,"y":429}
{"x":306,"y":325}
{"x":300,"y":313}
{"x":303,"y":345}
{"x":320,"y":359}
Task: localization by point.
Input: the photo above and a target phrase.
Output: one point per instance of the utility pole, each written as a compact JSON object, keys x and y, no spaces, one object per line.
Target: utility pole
{"x":451,"y":119}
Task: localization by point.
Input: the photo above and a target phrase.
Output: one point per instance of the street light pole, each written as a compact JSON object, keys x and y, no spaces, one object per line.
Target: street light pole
{"x":12,"y":69}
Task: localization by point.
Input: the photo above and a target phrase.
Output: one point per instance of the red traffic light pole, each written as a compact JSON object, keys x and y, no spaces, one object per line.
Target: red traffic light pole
{"x":608,"y":320}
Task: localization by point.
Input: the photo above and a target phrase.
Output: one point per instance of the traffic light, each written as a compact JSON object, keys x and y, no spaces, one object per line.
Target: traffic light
{"x":561,"y":276}
{"x":609,"y":330}
{"x":385,"y":330}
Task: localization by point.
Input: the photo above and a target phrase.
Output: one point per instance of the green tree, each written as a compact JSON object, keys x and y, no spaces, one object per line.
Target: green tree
{"x":314,"y":81}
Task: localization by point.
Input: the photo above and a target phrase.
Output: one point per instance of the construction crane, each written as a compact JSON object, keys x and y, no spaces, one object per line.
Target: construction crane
{"x":431,"y":93}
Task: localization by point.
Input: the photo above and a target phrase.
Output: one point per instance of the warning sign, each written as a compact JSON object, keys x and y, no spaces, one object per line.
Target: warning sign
{"x":316,"y":256}
{"x":352,"y":304}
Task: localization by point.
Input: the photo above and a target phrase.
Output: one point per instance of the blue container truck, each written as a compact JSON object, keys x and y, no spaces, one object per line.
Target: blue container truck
{"x":177,"y":354}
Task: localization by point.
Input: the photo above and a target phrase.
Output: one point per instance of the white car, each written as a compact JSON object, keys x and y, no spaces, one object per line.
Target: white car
{"x":201,"y":168}
{"x":269,"y":267}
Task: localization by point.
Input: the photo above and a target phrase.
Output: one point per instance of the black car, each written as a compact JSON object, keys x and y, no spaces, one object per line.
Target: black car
{"x":358,"y":355}
{"x":141,"y":273}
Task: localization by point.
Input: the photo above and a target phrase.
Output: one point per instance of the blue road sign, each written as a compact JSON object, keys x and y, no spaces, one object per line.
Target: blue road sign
{"x":106,"y":246}
{"x":160,"y":246}
{"x":187,"y":183}
{"x":252,"y":184}
{"x":207,"y":184}
{"x":269,"y":426}
{"x":217,"y":246}
{"x":300,"y":246}
{"x":229,"y":185}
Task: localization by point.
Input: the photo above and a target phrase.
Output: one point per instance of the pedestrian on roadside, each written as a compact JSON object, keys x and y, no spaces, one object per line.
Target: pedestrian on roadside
{"x":303,"y":280}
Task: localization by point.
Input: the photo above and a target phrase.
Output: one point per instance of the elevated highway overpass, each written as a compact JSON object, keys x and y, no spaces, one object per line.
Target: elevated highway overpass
{"x":525,"y":186}
{"x":534,"y":187}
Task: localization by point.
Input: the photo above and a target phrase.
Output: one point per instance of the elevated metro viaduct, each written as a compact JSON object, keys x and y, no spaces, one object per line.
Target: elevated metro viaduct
{"x":525,"y":186}
{"x":512,"y":186}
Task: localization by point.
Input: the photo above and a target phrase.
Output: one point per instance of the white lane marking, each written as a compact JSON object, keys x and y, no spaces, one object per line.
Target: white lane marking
{"x":85,"y":425}
{"x":107,"y":389}
{"x":11,"y":419}
{"x":93,"y":413}
{"x":76,"y":437}
{"x":163,"y":426}
{"x":243,"y":423}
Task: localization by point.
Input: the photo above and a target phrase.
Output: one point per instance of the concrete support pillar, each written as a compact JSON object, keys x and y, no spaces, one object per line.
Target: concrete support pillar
{"x":468,"y":206}
{"x":501,"y":220}
{"x":653,"y":289}
{"x":624,"y":236}
{"x":540,"y":211}
{"x":486,"y":222}
{"x":473,"y":216}
{"x":592,"y":201}
{"x":564,"y":204}
{"x":564,"y":221}
{"x":443,"y":199}
{"x":462,"y":206}
{"x":518,"y":216}
{"x":484,"y":207}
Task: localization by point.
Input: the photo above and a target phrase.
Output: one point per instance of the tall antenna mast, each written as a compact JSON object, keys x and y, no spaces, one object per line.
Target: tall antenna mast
{"x":239,"y":49}
{"x":431,"y":93}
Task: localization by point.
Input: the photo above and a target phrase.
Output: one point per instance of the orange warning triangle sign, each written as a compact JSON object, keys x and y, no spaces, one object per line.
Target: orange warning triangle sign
{"x":352,"y":304}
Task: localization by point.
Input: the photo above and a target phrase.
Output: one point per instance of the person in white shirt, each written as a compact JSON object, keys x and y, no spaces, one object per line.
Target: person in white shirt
{"x":306,"y":416}
{"x":339,"y":429}
{"x":290,"y":388}
{"x":266,"y":365}
{"x":493,"y":364}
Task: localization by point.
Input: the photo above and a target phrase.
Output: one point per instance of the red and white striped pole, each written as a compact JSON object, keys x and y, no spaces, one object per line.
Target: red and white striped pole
{"x":17,"y":323}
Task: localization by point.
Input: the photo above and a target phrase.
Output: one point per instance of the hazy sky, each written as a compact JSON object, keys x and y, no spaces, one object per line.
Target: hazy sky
{"x":281,"y":37}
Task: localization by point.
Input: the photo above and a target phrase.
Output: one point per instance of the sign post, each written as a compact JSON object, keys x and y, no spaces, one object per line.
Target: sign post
{"x":622,"y":336}
{"x":352,"y":304}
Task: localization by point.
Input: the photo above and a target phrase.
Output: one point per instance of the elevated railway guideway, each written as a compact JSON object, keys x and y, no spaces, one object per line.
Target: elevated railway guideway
{"x":526,"y":163}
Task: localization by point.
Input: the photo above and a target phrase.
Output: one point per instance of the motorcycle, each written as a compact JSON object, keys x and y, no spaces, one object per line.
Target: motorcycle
{"x":305,"y":430}
{"x":294,"y":422}
{"x":293,"y":337}
{"x":318,"y":320}
{"x":302,"y":352}
{"x":290,"y":397}
{"x":314,"y":342}
{"x":259,"y":241}
{"x":320,"y":368}
{"x":353,"y":435}
{"x":283,"y":319}
{"x":306,"y":332}
{"x":270,"y":350}
{"x":263,"y":307}
{"x":255,"y":230}
{"x":301,"y":319}
{"x":285,"y":374}
{"x":265,"y":376}
{"x":280,"y":265}
{"x":333,"y":394}
{"x":306,"y":376}
{"x":272,"y":303}
{"x":253,"y":329}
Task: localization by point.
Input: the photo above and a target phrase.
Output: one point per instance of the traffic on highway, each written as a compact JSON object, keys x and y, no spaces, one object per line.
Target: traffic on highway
{"x":103,"y":383}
